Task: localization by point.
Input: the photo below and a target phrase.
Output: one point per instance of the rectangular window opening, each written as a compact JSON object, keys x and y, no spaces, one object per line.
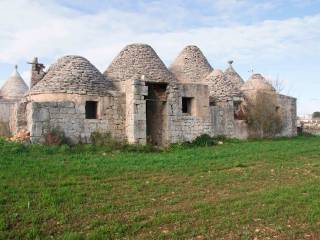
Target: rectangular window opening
{"x":212,"y":102}
{"x":91,"y":110}
{"x":187,"y":105}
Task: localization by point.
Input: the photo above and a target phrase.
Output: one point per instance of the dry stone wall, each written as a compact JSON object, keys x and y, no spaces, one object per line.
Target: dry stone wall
{"x":6,"y":112}
{"x":288,"y":108}
{"x":186,"y":127}
{"x":69,"y":117}
{"x":19,"y":117}
{"x":222,"y":119}
{"x":136,"y":111}
{"x":73,"y":75}
{"x":134,"y":61}
{"x":191,"y":66}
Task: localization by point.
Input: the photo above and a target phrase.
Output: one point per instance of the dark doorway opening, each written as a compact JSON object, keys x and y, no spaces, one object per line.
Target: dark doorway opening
{"x":91,"y":110}
{"x":156,"y":113}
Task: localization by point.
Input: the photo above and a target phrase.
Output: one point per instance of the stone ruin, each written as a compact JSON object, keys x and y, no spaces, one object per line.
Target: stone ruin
{"x":137,"y":99}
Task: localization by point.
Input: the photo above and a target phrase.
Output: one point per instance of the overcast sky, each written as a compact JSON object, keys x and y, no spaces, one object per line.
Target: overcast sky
{"x":280,"y":39}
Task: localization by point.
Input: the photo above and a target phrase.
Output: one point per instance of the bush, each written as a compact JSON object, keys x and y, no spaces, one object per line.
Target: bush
{"x":106,"y":140}
{"x":263,"y":115}
{"x":316,"y":115}
{"x":140,"y":148}
{"x":204,"y":140}
{"x":54,"y":136}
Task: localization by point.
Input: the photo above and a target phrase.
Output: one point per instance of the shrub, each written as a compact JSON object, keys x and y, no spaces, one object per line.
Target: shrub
{"x":316,"y":115}
{"x":140,"y":148}
{"x":54,"y":136}
{"x":204,"y":140}
{"x":263,"y":115}
{"x":105,"y":139}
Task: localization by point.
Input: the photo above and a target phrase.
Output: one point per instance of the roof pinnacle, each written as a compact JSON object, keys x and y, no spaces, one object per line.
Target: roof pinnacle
{"x":15,"y":71}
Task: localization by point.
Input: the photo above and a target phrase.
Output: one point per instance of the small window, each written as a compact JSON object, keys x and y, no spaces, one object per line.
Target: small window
{"x":91,"y":110}
{"x":277,"y":108}
{"x":186,"y":105}
{"x":212,"y":103}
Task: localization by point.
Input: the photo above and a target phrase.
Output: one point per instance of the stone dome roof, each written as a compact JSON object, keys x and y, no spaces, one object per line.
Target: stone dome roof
{"x":233,"y":77}
{"x":73,"y":74}
{"x":221,"y":87}
{"x":15,"y":87}
{"x":191,"y":66}
{"x":257,"y":82}
{"x":216,"y":72}
{"x":138,"y":59}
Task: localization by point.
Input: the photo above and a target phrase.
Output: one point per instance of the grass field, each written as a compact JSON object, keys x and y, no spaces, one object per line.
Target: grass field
{"x":266,"y":189}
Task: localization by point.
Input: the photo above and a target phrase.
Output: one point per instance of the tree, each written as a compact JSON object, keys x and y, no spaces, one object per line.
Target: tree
{"x":263,"y":115}
{"x":316,"y":115}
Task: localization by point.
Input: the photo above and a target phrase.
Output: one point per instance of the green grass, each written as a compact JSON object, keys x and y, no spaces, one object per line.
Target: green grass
{"x":266,"y":189}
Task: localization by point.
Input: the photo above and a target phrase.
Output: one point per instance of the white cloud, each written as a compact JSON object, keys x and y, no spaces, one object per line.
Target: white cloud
{"x":48,"y":30}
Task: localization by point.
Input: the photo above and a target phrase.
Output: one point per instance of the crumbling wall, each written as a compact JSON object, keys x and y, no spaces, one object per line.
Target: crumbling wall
{"x":135,"y":123}
{"x":19,"y":117}
{"x":224,"y":123}
{"x":288,"y":108}
{"x":222,"y":119}
{"x":6,"y":112}
{"x":186,"y":127}
{"x":69,"y":117}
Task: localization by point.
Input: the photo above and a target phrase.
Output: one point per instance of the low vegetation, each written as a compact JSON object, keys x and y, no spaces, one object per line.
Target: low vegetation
{"x":263,"y":115}
{"x":262,"y":189}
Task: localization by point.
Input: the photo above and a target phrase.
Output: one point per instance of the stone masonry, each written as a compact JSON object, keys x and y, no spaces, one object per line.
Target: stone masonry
{"x":137,"y":99}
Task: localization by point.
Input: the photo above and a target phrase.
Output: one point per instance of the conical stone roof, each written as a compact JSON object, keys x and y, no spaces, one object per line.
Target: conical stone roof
{"x":257,"y":83}
{"x":221,"y":88}
{"x":135,"y":60}
{"x":191,"y":66}
{"x":15,"y":87}
{"x":233,"y":77}
{"x":74,"y":75}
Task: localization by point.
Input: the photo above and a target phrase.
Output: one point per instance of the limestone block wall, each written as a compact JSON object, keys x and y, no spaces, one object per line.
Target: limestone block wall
{"x":68,"y":115}
{"x":288,"y":108}
{"x":63,"y":116}
{"x":6,"y":112}
{"x":222,"y":119}
{"x":135,"y":124}
{"x":186,"y":127}
{"x":224,"y":123}
{"x":241,"y":129}
{"x":19,"y":117}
